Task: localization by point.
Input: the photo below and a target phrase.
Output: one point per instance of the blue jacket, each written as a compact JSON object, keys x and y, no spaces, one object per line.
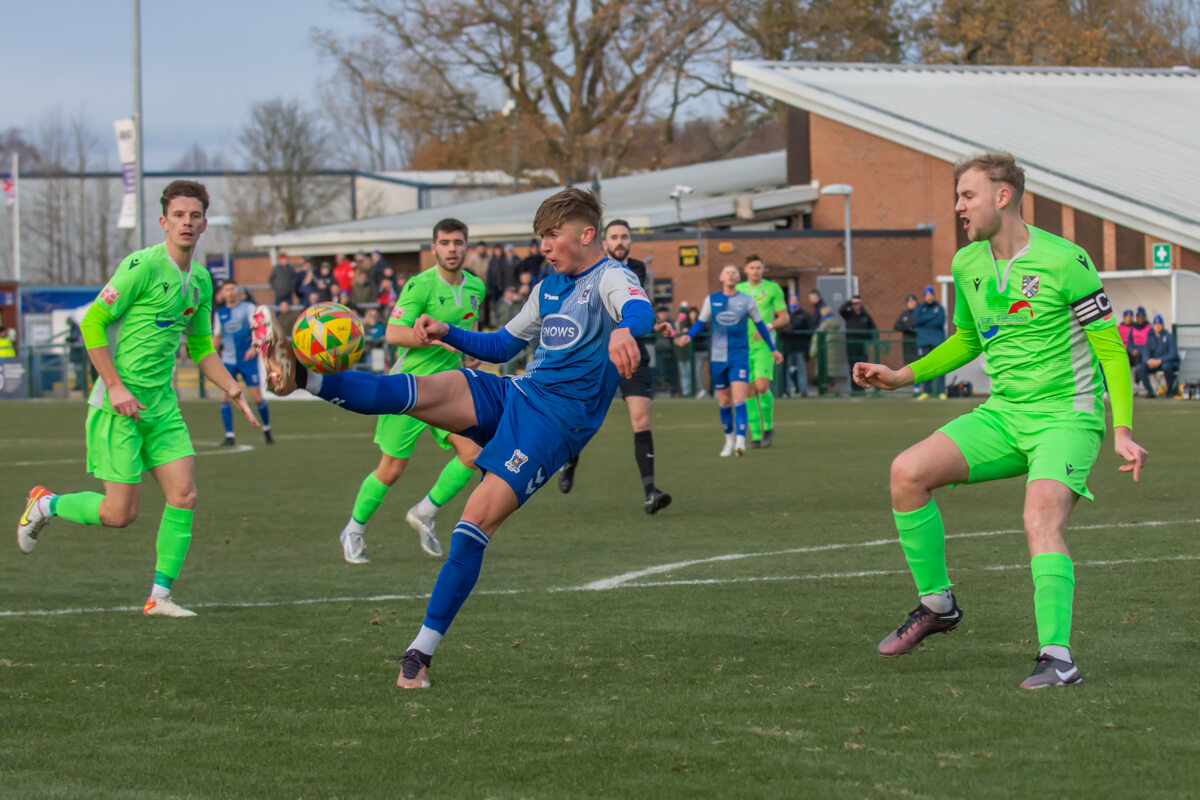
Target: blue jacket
{"x":1163,"y":347}
{"x":931,"y":324}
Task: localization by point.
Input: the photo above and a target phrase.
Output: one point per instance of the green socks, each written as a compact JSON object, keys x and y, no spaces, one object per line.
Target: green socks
{"x":370,"y":496}
{"x":455,"y":475}
{"x":923,"y":538}
{"x":753,"y":418}
{"x":80,"y":507}
{"x":766,"y":403}
{"x":174,"y":536}
{"x":1053,"y":593}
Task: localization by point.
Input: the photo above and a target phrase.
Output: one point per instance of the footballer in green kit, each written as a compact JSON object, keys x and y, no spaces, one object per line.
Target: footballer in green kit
{"x":132,"y":331}
{"x":448,"y":294}
{"x":772,"y":305}
{"x":1033,"y":304}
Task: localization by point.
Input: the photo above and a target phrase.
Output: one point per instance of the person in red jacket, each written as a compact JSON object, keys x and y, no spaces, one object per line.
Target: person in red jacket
{"x":343,"y":273}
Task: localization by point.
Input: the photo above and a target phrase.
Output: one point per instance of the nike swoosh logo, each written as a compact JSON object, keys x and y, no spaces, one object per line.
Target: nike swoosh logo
{"x":1071,"y":673}
{"x":25,"y":516}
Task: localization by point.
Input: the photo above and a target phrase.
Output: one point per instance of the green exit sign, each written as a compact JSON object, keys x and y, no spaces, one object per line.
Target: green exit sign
{"x":1162,"y":255}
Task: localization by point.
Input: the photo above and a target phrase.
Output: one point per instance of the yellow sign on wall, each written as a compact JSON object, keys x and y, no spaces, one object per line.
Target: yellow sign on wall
{"x":689,"y":255}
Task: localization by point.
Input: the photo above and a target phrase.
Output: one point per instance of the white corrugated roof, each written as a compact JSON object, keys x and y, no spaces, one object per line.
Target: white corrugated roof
{"x":1123,"y":144}
{"x":641,"y":199}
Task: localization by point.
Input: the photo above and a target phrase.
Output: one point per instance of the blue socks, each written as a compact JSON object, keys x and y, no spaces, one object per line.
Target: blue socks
{"x":457,"y":577}
{"x":263,"y":414}
{"x":227,"y":418}
{"x":364,"y":393}
{"x":739,"y":414}
{"x":727,"y":419}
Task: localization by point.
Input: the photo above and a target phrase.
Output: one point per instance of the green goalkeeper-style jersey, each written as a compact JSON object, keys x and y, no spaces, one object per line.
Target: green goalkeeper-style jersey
{"x":153,"y":302}
{"x":428,"y":293}
{"x":1031,"y":314}
{"x":769,"y":297}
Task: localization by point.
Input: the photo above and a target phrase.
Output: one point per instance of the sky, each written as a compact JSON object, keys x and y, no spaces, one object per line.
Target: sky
{"x":204,"y":65}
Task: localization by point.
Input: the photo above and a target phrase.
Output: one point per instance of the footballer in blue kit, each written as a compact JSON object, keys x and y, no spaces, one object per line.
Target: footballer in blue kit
{"x":585,"y":317}
{"x":729,"y":353}
{"x":232,"y":337}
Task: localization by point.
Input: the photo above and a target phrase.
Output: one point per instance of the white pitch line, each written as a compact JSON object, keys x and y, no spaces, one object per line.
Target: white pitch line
{"x":873,"y":573}
{"x":627,"y":580}
{"x":618,"y":580}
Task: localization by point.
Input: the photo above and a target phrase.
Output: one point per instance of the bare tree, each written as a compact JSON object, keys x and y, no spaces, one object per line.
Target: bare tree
{"x":289,"y":144}
{"x":586,"y":72}
{"x":369,"y":124}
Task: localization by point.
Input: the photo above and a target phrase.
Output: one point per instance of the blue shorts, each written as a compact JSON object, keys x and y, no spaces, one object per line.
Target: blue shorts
{"x":521,"y":444}
{"x":247,"y":369}
{"x":737,"y":368}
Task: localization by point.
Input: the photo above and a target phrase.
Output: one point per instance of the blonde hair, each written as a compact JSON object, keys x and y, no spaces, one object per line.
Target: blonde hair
{"x":1000,"y":167}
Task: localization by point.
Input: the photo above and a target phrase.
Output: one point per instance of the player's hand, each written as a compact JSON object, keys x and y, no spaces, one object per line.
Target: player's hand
{"x":124,"y":403}
{"x":428,"y":330}
{"x":880,"y":376}
{"x":682,"y":340}
{"x":664,"y":328}
{"x":251,"y":353}
{"x":623,"y":352}
{"x":235,"y":393}
{"x":778,"y":356}
{"x":1134,"y":454}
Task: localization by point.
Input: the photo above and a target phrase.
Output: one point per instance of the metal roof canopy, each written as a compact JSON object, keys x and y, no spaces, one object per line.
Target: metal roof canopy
{"x":735,"y":189}
{"x":1120,"y":144}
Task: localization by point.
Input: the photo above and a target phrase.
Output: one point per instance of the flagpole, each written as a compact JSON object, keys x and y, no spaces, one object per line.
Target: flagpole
{"x":16,"y":178}
{"x":140,"y":228}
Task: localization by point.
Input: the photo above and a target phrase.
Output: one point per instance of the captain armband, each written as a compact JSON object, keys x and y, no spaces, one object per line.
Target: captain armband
{"x":1092,"y":307}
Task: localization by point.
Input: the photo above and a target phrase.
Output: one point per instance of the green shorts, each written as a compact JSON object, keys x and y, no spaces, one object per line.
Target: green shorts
{"x":120,"y":449}
{"x":762,"y":364}
{"x":1001,"y":443}
{"x":397,"y":434}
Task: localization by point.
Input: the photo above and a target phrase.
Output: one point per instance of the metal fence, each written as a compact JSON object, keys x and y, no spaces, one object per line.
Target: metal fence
{"x":64,"y":370}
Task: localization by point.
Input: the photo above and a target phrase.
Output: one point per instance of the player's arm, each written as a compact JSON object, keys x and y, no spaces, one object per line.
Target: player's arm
{"x":626,"y":301}
{"x":498,"y":346}
{"x":201,"y":346}
{"x":114,"y":300}
{"x":761,"y":326}
{"x":782,"y":317}
{"x":957,"y":351}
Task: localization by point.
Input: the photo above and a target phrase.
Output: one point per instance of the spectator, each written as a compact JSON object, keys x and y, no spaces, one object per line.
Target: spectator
{"x":387,"y":294}
{"x":477,"y":261}
{"x":343,"y":273}
{"x":378,"y":269}
{"x":373,"y":328}
{"x":827,"y":327}
{"x":817,"y":303}
{"x":801,"y":325}
{"x":1125,"y":330}
{"x":362,"y":291}
{"x":497,"y":281}
{"x":282,"y":279}
{"x":859,"y":333}
{"x":287,"y":315}
{"x":506,"y":309}
{"x":931,"y":331}
{"x":1162,"y":355}
{"x":305,"y":281}
{"x":1138,"y":336}
{"x":697,"y":350}
{"x":324,"y":282}
{"x":533,"y":265}
{"x":666,"y":364}
{"x":906,"y":324}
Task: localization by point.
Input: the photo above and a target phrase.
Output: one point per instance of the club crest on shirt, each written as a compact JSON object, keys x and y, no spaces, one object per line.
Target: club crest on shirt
{"x":1029,"y":285}
{"x":585,"y":295}
{"x":517,"y":461}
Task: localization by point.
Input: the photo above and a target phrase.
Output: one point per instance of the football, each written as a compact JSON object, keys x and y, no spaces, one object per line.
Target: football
{"x":328,"y":338}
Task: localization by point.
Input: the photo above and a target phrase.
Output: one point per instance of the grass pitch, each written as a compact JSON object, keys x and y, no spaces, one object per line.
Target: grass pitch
{"x":724,"y":648}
